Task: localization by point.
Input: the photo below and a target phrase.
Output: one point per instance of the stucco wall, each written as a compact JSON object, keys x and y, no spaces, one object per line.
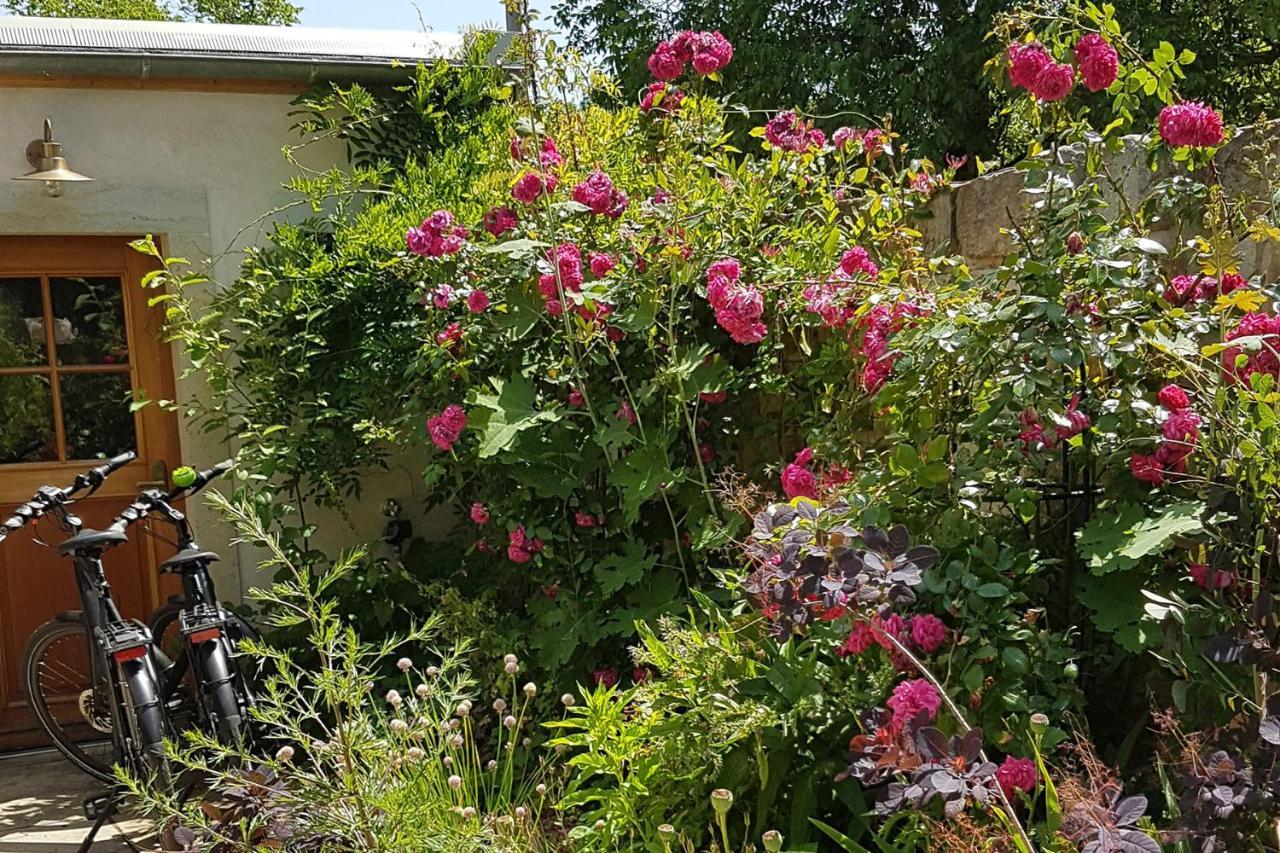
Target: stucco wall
{"x":194,"y":168}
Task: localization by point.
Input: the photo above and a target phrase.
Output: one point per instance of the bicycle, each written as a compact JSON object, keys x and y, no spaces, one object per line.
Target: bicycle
{"x":123,"y":698}
{"x":204,"y":646}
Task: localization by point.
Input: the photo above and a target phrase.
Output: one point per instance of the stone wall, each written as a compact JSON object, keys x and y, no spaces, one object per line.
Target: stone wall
{"x":973,"y":218}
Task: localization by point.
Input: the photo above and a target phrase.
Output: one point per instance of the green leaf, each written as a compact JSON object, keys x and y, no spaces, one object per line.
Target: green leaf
{"x":620,"y":570}
{"x":637,"y":477}
{"x":510,"y":411}
{"x":1119,"y":540}
{"x":992,"y":590}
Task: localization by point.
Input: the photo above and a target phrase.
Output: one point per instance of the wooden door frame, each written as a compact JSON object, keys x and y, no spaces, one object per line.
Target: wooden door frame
{"x":156,"y":430}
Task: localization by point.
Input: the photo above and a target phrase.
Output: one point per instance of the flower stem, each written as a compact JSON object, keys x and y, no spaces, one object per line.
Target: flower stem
{"x":965,"y":728}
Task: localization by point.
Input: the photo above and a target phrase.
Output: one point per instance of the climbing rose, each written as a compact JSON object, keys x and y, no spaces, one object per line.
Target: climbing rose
{"x":1075,"y":243}
{"x":584,"y":519}
{"x":665,"y":63}
{"x":520,"y":547}
{"x":911,"y":700}
{"x":1055,"y":82}
{"x":788,"y":131}
{"x":1098,"y":62}
{"x":550,"y":155}
{"x":1146,"y":468}
{"x":626,"y":412}
{"x":1263,"y":360}
{"x":662,"y":97}
{"x":575,"y":398}
{"x":843,"y":136}
{"x":601,"y":264}
{"x":1207,"y":578}
{"x":711,"y":52}
{"x":797,"y":480}
{"x":477,"y":301}
{"x":450,"y":336}
{"x":713,"y":397}
{"x":500,"y":220}
{"x":706,"y":453}
{"x":738,"y":307}
{"x":1026,"y":61}
{"x":1182,"y":428}
{"x":606,"y":677}
{"x":531,"y":185}
{"x":1077,"y":421}
{"x":446,"y":427}
{"x":856,"y":260}
{"x":1173,"y":398}
{"x":928,"y":632}
{"x":437,"y":236}
{"x":479,"y":514}
{"x":1190,"y":124}
{"x":599,"y":194}
{"x":1016,"y":774}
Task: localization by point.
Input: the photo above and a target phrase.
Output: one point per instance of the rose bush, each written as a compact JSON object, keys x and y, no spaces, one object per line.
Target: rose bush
{"x":617,"y":338}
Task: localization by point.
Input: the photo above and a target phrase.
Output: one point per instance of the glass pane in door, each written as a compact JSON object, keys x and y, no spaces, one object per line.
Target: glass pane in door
{"x":26,"y":420}
{"x":88,"y":317}
{"x":22,"y":335}
{"x":95,"y":414}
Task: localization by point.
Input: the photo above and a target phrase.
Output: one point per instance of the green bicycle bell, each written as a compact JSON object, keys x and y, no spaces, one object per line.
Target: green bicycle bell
{"x":184,"y":476}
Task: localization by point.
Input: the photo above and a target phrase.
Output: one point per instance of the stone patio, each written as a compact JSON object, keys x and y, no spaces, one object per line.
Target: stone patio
{"x":41,"y":809}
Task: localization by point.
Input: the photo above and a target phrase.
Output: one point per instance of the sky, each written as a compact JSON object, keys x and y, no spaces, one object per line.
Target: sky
{"x":446,"y":16}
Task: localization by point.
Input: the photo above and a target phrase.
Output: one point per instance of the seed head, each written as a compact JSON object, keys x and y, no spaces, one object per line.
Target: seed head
{"x":455,"y":782}
{"x":404,"y":664}
{"x":721,"y":800}
{"x":284,"y":753}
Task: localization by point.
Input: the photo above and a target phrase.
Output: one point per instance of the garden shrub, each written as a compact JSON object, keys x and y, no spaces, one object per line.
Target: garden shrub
{"x":617,"y":337}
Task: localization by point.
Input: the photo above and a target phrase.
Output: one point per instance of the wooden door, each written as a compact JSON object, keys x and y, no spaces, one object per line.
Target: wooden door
{"x":77,"y":340}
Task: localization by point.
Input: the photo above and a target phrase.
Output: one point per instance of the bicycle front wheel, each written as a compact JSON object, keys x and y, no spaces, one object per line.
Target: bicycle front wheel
{"x":57,"y":680}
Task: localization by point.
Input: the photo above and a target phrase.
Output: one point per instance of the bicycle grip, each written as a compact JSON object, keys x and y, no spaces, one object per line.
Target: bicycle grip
{"x":112,"y":465}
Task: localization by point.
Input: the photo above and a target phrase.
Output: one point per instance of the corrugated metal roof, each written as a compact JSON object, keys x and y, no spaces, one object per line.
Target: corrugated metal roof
{"x":151,"y":48}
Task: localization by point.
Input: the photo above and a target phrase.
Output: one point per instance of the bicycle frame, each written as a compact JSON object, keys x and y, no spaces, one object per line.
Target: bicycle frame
{"x":125,"y":645}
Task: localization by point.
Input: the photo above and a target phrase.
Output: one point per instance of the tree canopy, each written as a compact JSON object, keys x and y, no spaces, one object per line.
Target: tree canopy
{"x":270,"y":12}
{"x":920,"y":61}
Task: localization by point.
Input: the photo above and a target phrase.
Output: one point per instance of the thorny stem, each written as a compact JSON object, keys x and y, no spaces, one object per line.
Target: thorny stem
{"x":965,"y":728}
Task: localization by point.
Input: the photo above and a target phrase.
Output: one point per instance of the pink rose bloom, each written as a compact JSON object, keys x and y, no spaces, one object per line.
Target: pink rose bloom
{"x":500,"y":220}
{"x":626,"y":413}
{"x":662,"y":97}
{"x":575,"y":398}
{"x":518,"y":555}
{"x":706,"y":453}
{"x":479,"y":514}
{"x":665,"y":63}
{"x":928,"y":632}
{"x":446,"y":428}
{"x":713,"y":397}
{"x":788,"y":132}
{"x":1231,"y":282}
{"x":584,"y":519}
{"x":1264,"y":360}
{"x":437,"y":236}
{"x":550,"y":155}
{"x":797,"y":480}
{"x":912,"y":700}
{"x":1016,"y":774}
{"x":861,"y":638}
{"x":1075,"y":243}
{"x":740,"y":315}
{"x":721,"y":276}
{"x":1192,"y":124}
{"x":843,"y":136}
{"x":477,"y":301}
{"x":1146,"y":469}
{"x":1181,"y":289}
{"x":600,"y":196}
{"x":1099,"y":63}
{"x":1173,"y":398}
{"x":1077,"y":421}
{"x":531,"y":186}
{"x":817,"y":139}
{"x":1026,"y":61}
{"x":711,"y":52}
{"x":449,"y":336}
{"x":442,"y":296}
{"x":601,"y":263}
{"x":856,"y":260}
{"x":606,"y":677}
{"x":1055,"y":82}
{"x":640,"y":675}
{"x":1211,"y":579}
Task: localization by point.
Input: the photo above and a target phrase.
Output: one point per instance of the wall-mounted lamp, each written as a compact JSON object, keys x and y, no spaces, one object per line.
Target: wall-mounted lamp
{"x":45,"y":156}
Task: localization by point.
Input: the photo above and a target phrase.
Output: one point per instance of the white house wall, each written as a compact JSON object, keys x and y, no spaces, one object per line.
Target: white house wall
{"x":194,"y":168}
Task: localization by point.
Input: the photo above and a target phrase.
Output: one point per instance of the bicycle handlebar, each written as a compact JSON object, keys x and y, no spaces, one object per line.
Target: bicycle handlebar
{"x":48,"y":496}
{"x":154,"y":499}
